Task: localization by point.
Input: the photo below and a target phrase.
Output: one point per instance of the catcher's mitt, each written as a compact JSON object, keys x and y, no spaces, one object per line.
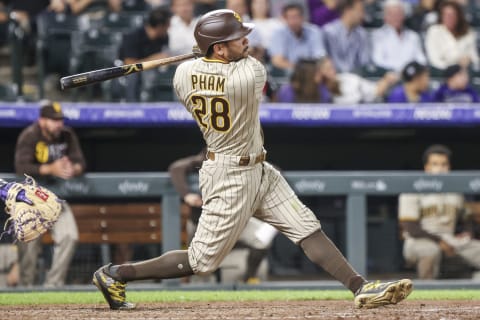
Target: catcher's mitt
{"x":35,"y":214}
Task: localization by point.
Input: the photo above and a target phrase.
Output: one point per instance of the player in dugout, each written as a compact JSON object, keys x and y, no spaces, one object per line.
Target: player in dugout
{"x":223,"y":91}
{"x":48,"y":148}
{"x":429,"y":221}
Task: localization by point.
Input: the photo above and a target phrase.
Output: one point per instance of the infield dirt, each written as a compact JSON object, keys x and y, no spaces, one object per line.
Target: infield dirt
{"x":416,"y":309}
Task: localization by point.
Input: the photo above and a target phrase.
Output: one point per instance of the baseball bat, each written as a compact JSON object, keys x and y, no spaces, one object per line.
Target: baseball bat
{"x":90,"y":77}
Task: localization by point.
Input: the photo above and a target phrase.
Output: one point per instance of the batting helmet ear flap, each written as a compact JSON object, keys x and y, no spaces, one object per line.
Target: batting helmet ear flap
{"x":220,"y":26}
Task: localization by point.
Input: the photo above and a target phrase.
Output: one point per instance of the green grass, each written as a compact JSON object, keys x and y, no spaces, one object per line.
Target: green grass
{"x":31,"y":298}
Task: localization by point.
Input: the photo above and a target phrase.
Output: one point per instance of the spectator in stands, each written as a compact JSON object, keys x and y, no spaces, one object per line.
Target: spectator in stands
{"x":415,"y":87}
{"x":346,"y":41}
{"x":350,"y":88}
{"x":323,"y":11}
{"x":393,"y":46}
{"x":424,"y":15}
{"x":278,"y":5}
{"x":305,"y":85}
{"x":24,"y":13}
{"x":182,"y":24}
{"x":429,"y":220}
{"x":452,"y":40}
{"x":456,"y":87}
{"x":47,"y":148}
{"x":257,"y":235}
{"x":265,"y":24}
{"x":240,"y":7}
{"x":295,"y":40}
{"x":148,"y":42}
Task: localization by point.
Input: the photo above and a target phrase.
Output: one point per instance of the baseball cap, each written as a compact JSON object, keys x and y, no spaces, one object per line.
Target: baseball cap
{"x":51,"y":110}
{"x":452,"y":70}
{"x":411,"y":70}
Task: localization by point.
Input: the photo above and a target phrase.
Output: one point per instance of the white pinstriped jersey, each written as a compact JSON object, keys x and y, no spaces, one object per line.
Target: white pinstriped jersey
{"x":437,"y":213}
{"x":224,"y":99}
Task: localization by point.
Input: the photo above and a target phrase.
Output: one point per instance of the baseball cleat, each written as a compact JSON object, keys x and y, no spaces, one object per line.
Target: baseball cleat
{"x":113,"y":290}
{"x":253,"y":281}
{"x":376,"y":294}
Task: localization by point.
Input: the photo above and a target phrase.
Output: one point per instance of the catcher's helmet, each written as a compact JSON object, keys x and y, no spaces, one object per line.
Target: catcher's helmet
{"x":219,"y":26}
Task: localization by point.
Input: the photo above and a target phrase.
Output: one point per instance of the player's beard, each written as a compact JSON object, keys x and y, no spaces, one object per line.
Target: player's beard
{"x":239,"y":56}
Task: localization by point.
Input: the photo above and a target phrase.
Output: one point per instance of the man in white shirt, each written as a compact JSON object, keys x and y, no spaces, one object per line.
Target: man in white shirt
{"x":182,"y":24}
{"x":393,"y":45}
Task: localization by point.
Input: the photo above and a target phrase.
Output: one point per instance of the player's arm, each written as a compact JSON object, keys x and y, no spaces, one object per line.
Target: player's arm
{"x":409,"y":217}
{"x":178,"y":173}
{"x":415,"y":230}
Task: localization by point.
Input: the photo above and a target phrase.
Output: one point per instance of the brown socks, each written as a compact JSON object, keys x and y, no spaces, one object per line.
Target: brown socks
{"x":173,"y":264}
{"x":255,"y":257}
{"x":321,"y":250}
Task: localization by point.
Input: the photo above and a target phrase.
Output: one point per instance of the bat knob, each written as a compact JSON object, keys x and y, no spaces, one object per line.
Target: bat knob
{"x":196,"y":51}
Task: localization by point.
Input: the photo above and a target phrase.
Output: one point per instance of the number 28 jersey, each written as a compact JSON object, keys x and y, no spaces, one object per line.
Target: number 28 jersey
{"x":224,"y":99}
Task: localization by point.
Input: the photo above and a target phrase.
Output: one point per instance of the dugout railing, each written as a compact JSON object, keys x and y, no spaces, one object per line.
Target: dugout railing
{"x":355,"y":185}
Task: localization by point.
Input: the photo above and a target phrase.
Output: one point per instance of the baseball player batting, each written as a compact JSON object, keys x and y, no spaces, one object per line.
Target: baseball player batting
{"x":222,"y":91}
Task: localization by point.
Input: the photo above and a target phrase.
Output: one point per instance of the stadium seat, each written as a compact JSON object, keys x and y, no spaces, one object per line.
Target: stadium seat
{"x":372,"y":71}
{"x":278,"y":76}
{"x":3,"y":33}
{"x":54,"y":43}
{"x":135,"y":5}
{"x":114,"y":90}
{"x":373,"y":15}
{"x":475,"y":81}
{"x":156,"y":85}
{"x":472,"y":15}
{"x":120,"y":22}
{"x":93,"y":49}
{"x":436,"y":73}
{"x":7,"y":93}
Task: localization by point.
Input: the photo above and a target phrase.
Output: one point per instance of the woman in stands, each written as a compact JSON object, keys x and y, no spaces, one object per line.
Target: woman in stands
{"x":305,"y":85}
{"x":452,"y":40}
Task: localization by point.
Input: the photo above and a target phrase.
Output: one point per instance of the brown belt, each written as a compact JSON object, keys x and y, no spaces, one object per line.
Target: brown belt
{"x":244,"y":160}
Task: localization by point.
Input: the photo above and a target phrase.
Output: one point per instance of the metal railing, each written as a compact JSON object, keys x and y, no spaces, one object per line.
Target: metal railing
{"x":356,"y":186}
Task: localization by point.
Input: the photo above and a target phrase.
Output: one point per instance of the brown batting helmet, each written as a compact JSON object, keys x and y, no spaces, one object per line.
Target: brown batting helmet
{"x":219,"y":26}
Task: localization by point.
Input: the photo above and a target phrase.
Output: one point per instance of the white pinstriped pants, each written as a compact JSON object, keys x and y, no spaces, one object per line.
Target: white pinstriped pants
{"x":231,"y":195}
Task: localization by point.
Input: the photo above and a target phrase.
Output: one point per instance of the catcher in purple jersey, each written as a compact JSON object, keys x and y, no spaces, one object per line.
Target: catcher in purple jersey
{"x":223,"y":91}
